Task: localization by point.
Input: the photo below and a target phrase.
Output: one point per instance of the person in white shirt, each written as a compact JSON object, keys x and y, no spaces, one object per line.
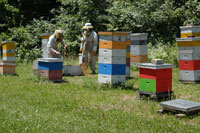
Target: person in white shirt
{"x":89,"y":46}
{"x":53,"y":42}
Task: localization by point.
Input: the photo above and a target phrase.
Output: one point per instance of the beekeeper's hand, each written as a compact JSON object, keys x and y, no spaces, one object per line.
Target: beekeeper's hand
{"x":58,"y":53}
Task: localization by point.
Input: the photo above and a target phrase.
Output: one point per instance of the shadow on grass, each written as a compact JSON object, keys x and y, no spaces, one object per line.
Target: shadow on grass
{"x":108,"y":86}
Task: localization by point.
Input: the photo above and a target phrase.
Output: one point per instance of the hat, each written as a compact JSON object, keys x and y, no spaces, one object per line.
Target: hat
{"x":87,"y":26}
{"x":59,"y":34}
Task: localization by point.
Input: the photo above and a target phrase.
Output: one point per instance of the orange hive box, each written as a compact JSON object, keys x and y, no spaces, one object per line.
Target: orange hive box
{"x":139,"y":58}
{"x":188,"y":42}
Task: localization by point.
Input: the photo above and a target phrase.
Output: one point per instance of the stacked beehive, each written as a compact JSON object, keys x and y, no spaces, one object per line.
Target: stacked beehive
{"x":112,"y":57}
{"x":128,"y":54}
{"x":155,"y":78}
{"x":45,"y":38}
{"x":189,"y":54}
{"x":7,"y":64}
{"x":50,"y":69}
{"x":139,"y":50}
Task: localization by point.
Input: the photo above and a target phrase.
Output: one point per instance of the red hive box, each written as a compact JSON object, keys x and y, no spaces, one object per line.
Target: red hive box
{"x":189,"y":64}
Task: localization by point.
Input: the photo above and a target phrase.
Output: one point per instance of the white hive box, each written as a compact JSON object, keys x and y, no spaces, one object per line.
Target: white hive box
{"x":155,"y":66}
{"x":112,"y":79}
{"x":139,"y":50}
{"x":80,"y":55}
{"x":128,"y":72}
{"x":45,"y":39}
{"x":189,"y":75}
{"x":72,"y":70}
{"x":190,"y":31}
{"x":112,"y":59}
{"x":139,"y":36}
{"x":112,"y":52}
{"x":189,"y":53}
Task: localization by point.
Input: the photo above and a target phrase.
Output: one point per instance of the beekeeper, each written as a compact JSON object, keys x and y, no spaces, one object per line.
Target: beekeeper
{"x":89,"y":46}
{"x":53,"y":42}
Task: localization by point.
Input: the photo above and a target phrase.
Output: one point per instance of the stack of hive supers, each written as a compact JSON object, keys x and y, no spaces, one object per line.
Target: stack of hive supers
{"x":155,"y":78}
{"x":7,"y":64}
{"x":112,"y":57}
{"x":50,"y":69}
{"x":189,"y":54}
{"x":139,"y":50}
{"x":128,"y":54}
{"x":45,"y":39}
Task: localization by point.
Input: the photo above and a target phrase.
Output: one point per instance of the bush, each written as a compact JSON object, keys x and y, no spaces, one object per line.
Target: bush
{"x":164,"y":51}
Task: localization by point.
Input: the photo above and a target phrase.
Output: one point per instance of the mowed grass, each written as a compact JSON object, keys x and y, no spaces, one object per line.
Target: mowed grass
{"x":81,"y":105}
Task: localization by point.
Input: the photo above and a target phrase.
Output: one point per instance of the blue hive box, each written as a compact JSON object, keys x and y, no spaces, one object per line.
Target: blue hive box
{"x":50,"y":64}
{"x":112,"y":69}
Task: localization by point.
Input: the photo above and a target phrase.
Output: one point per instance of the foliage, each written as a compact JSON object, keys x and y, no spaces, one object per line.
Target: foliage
{"x":167,"y":52}
{"x":28,"y":46}
{"x":8,"y":15}
{"x":160,"y":19}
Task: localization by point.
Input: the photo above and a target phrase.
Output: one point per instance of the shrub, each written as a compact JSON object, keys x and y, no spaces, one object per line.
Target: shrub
{"x":164,"y":51}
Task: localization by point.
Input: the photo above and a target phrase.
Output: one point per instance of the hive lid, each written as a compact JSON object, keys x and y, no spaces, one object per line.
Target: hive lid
{"x":7,"y":42}
{"x":115,"y":33}
{"x":188,"y":39}
{"x":139,"y":34}
{"x":50,"y":60}
{"x":46,"y":34}
{"x":189,"y":26}
{"x":181,"y":105}
{"x":155,"y":66}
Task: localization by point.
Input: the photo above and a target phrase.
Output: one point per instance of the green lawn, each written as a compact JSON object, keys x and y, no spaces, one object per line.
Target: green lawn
{"x":82,"y":105}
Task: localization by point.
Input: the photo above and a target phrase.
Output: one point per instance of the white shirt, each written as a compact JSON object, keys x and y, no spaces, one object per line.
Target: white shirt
{"x":52,"y":44}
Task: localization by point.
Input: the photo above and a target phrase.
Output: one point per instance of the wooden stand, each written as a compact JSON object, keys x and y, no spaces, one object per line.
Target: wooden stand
{"x":156,"y":96}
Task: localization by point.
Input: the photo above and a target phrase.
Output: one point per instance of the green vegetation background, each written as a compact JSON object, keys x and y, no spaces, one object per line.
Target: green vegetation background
{"x":24,"y":20}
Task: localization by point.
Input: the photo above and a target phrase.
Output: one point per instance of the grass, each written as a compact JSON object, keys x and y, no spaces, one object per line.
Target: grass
{"x":82,"y":105}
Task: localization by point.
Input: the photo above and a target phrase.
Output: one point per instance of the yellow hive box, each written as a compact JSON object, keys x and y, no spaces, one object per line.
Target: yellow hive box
{"x":114,"y":33}
{"x":8,"y":45}
{"x":45,"y":35}
{"x":128,"y":54}
{"x":187,"y":31}
{"x":8,"y":54}
{"x":188,"y":42}
{"x":112,"y":45}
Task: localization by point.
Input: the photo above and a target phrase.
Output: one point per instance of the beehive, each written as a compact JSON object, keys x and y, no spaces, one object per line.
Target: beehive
{"x":113,"y":56}
{"x":189,"y":31}
{"x":8,"y":51}
{"x":138,"y":50}
{"x":155,"y":78}
{"x":189,"y":58}
{"x":45,"y":39}
{"x":50,"y":68}
{"x":7,"y":68}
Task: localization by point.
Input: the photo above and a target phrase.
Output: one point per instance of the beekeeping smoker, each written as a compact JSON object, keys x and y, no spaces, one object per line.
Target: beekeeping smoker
{"x":89,"y":46}
{"x":53,"y":42}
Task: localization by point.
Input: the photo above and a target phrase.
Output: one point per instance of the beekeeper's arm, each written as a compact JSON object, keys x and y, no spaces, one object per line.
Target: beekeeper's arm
{"x":95,"y":41}
{"x":63,"y":43}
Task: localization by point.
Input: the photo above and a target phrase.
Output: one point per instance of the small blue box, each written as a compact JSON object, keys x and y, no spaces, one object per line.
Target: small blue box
{"x":112,"y":69}
{"x":128,"y":49}
{"x":50,"y":65}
